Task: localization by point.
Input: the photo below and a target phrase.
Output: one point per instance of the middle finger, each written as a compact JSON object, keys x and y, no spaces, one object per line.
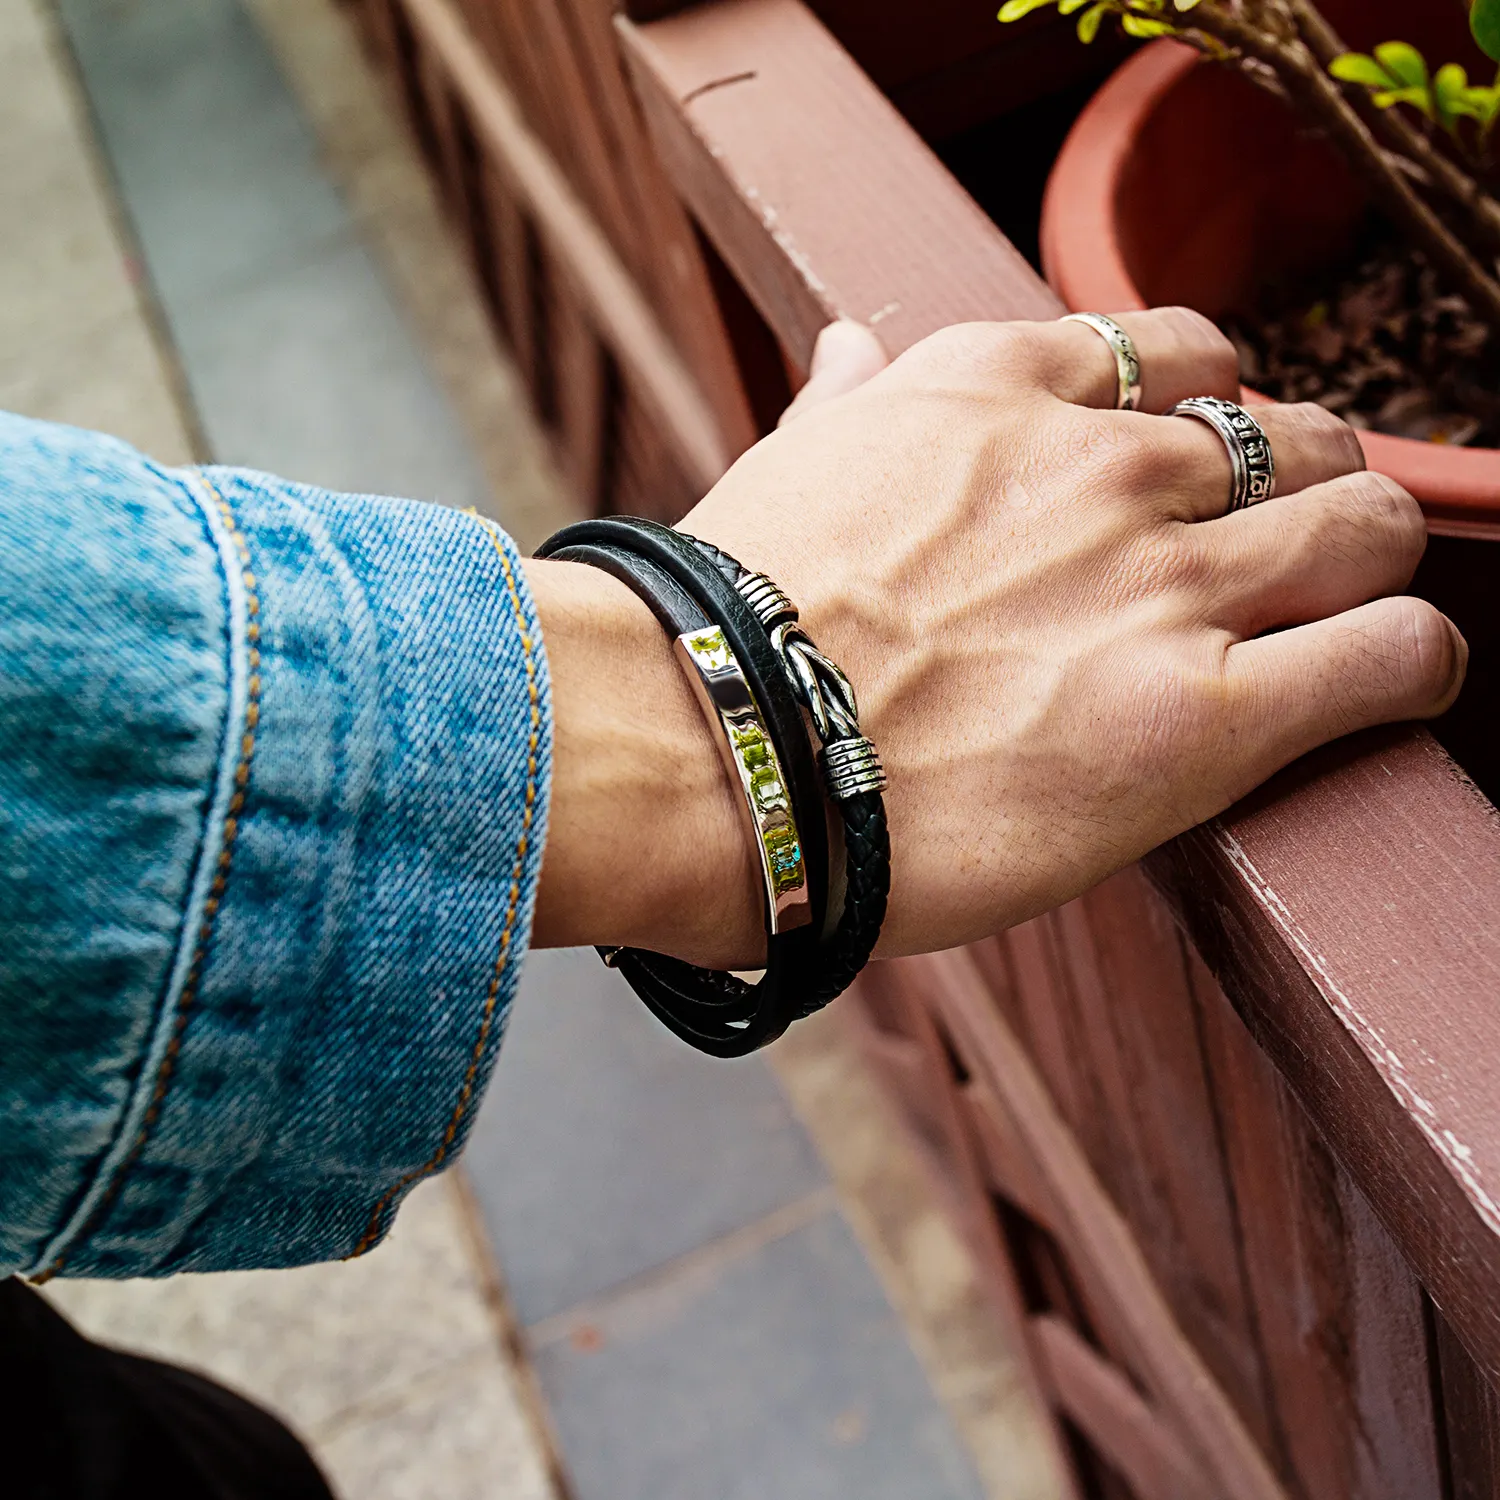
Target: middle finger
{"x":1327,"y":549}
{"x":1310,"y":446}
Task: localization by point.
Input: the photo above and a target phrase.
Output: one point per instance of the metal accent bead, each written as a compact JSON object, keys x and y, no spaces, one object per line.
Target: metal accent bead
{"x":851,"y":768}
{"x":848,"y":760}
{"x":771,"y":605}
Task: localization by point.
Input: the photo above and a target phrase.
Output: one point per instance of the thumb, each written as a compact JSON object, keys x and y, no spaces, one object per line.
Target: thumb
{"x":845,"y":356}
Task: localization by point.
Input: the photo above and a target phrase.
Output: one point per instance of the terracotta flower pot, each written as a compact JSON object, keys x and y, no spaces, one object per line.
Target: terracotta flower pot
{"x":1182,"y":183}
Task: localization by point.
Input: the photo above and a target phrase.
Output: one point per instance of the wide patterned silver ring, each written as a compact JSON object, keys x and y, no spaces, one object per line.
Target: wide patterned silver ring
{"x":1251,"y":462}
{"x":1122,"y":346}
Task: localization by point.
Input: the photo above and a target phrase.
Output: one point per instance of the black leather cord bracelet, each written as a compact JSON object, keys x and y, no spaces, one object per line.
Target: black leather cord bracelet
{"x":698,"y":592}
{"x":715,"y":1012}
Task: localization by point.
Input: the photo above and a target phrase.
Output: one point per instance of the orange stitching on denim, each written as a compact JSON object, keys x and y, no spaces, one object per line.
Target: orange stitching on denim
{"x":492,"y":997}
{"x":189,"y":994}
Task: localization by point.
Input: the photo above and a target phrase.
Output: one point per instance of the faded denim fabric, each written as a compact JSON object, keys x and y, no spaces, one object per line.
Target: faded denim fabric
{"x":273,"y":786}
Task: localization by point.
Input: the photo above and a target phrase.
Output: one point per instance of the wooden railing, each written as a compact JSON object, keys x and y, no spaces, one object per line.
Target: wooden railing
{"x":1225,"y":1132}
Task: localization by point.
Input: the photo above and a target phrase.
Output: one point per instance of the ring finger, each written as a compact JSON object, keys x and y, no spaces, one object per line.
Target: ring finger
{"x":1180,"y":352}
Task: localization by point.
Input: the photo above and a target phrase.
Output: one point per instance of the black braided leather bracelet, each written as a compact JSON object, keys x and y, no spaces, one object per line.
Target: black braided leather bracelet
{"x":701,"y":594}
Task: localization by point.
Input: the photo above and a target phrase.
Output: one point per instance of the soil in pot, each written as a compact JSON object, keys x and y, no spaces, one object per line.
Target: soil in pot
{"x":1376,"y":338}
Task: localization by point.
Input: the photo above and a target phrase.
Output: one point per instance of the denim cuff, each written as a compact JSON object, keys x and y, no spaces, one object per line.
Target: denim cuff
{"x":360,"y":899}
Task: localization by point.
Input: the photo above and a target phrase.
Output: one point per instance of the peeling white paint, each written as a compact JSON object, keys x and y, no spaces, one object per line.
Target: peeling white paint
{"x":770,"y":222}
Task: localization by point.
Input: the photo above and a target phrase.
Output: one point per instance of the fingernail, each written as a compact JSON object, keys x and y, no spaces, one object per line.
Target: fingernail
{"x":1460,"y":658}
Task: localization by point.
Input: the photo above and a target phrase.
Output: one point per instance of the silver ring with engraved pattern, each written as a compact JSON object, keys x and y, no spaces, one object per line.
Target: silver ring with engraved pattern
{"x":1127,"y":362}
{"x":1252,"y":466}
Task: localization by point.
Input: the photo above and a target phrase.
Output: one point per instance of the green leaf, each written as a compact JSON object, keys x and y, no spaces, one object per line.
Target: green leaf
{"x":1141,"y":26}
{"x":1420,"y":98}
{"x":1067,"y":7}
{"x":1484,"y":22}
{"x":1359,"y":67}
{"x":1088,"y":22}
{"x":1450,"y":79}
{"x":1449,"y":85}
{"x":1481,"y":104}
{"x":1184,"y":4}
{"x":1404,"y":63}
{"x":1013,"y":10}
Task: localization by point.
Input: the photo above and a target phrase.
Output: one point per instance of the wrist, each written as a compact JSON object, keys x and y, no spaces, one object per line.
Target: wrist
{"x":645,"y":844}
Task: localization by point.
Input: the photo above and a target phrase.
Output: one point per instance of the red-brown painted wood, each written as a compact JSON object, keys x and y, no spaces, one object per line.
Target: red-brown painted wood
{"x":1373,"y":880}
{"x":1350,"y":909}
{"x":1108,"y":1409}
{"x":1216,"y":1254}
{"x":735,"y":93}
{"x":1338,"y":1318}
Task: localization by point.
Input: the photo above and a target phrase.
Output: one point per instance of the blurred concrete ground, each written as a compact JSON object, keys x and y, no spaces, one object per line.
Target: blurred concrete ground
{"x":717,"y":1282}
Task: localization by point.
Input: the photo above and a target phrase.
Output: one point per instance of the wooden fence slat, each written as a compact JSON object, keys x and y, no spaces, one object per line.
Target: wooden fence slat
{"x":1471,"y":1418}
{"x":962,"y":1176}
{"x":1007,"y":1163}
{"x":1111,"y":1414}
{"x":1351,"y":909}
{"x":671,"y":266}
{"x":583,"y":422}
{"x":1152,"y":1135}
{"x":615,"y":305}
{"x":1337,"y":1313}
{"x":1103,"y":1251}
{"x":734,"y":92}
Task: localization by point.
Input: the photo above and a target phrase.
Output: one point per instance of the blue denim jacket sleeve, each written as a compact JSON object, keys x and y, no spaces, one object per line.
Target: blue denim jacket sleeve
{"x":273,"y":789}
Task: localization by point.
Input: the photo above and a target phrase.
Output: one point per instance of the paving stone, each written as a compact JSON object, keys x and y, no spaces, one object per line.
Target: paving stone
{"x":74,"y":345}
{"x":214,"y":159}
{"x":298,"y":361}
{"x":109,"y":378}
{"x":461,"y":1437}
{"x":320,"y":1343}
{"x":60,"y":264}
{"x":779,"y":1372}
{"x":887,"y":1192}
{"x":606,"y":1147}
{"x":367,"y":147}
{"x":312,"y":374}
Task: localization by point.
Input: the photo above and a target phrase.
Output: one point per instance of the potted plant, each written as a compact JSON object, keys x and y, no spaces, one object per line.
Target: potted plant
{"x":1328,"y":196}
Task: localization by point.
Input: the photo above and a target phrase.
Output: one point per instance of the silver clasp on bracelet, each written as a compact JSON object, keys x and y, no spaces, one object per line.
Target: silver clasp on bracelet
{"x":849,"y":761}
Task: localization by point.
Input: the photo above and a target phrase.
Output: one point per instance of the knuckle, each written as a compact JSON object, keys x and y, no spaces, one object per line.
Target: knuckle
{"x":1391,"y":505}
{"x":1117,"y":461}
{"x":1383,"y":521}
{"x":1336,"y":441}
{"x":1022,"y":347}
{"x":1139,"y":458}
{"x":1423,"y":647}
{"x":1161,"y":561}
{"x":971,"y":349}
{"x":1206,"y":340}
{"x":1403,"y":661}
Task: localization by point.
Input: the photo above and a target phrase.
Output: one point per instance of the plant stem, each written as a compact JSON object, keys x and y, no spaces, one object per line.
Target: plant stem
{"x":1401,"y":136}
{"x":1321,"y":100}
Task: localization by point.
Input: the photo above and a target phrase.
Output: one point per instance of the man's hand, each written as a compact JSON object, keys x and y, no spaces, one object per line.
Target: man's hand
{"x":1064,"y":649}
